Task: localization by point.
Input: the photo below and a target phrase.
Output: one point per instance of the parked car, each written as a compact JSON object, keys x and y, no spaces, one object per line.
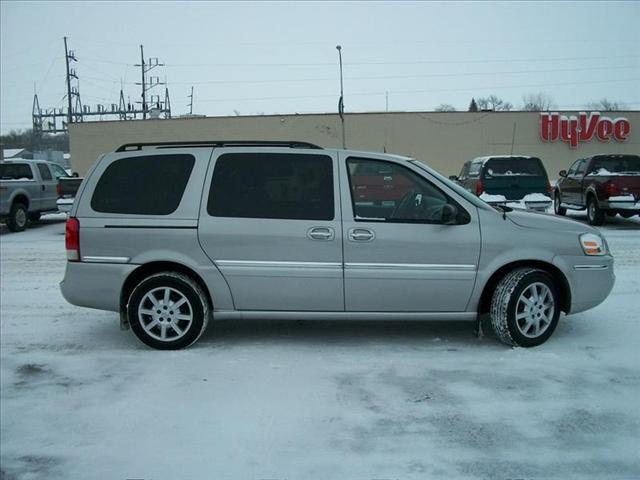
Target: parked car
{"x":67,"y":189}
{"x":27,"y":190}
{"x":502,"y":179}
{"x":173,"y":235}
{"x":603,"y":184}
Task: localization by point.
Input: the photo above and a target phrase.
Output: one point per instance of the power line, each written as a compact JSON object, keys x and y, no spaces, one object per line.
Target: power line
{"x":476,"y":88}
{"x":383,"y":77}
{"x":393,"y":62}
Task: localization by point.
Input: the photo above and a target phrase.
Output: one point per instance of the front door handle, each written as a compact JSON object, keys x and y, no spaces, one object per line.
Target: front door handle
{"x":42,"y":187}
{"x":321,"y":233}
{"x":361,"y":235}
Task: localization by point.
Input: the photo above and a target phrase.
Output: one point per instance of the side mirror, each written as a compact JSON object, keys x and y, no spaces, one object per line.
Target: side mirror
{"x":453,"y":177}
{"x":75,"y":174}
{"x":449,"y":214}
{"x":562,"y":173}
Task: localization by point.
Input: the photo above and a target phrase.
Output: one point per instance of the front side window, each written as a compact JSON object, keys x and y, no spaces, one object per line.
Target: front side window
{"x":44,"y":171}
{"x":58,"y":171}
{"x":464,"y":172}
{"x":581,"y":166}
{"x":385,"y":191}
{"x":149,"y":185}
{"x":572,"y":168}
{"x":474,"y":170}
{"x":272,"y":185}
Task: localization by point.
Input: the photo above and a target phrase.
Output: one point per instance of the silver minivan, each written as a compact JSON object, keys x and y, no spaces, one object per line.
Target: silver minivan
{"x":173,"y":235}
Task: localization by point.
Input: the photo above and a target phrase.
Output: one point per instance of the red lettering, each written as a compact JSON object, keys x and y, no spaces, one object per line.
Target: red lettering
{"x":621,"y":128}
{"x":569,"y":131}
{"x":549,"y":128}
{"x":573,"y":130}
{"x":605,"y":129}
{"x":588,"y":129}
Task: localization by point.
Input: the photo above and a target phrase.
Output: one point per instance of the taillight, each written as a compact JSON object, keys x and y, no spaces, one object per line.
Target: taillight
{"x":611,"y":189}
{"x":72,"y":239}
{"x":549,"y":189}
{"x":58,"y":190}
{"x":479,"y":188}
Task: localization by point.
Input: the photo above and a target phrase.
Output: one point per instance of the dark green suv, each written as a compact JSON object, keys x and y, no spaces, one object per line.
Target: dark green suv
{"x":517,"y":180}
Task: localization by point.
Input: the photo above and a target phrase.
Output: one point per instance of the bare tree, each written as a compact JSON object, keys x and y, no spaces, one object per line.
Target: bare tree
{"x":445,"y":107}
{"x":607,"y":105}
{"x":495,"y":103}
{"x":537,"y":102}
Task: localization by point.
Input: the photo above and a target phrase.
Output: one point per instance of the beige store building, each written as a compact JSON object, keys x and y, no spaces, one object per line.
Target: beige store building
{"x":444,"y":139}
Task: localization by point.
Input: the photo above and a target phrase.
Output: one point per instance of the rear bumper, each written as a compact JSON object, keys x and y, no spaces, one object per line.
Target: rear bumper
{"x":591,"y":279}
{"x":630,"y":204}
{"x":65,"y":204}
{"x":95,"y":285}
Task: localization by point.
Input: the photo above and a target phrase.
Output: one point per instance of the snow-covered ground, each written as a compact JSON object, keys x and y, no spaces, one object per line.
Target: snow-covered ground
{"x":326,"y":400}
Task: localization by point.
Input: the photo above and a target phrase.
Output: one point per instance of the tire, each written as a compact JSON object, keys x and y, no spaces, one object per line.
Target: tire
{"x":556,"y":204}
{"x":595,"y":215}
{"x":512,"y":322}
{"x":165,"y":331}
{"x":18,"y":218}
{"x":34,"y":216}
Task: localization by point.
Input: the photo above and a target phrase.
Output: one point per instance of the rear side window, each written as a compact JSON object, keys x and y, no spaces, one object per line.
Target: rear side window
{"x":15,"y":171}
{"x":44,"y":171}
{"x":149,"y":185}
{"x":272,"y":185}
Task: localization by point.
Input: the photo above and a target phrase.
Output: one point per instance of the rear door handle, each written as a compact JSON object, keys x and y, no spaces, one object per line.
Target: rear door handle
{"x":361,"y":235}
{"x":321,"y":233}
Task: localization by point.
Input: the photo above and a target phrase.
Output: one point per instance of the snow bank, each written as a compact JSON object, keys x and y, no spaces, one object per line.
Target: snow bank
{"x":311,"y":400}
{"x":492,"y":198}
{"x":536,"y":197}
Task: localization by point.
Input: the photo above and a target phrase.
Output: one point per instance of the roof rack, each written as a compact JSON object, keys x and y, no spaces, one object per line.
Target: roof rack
{"x":218,"y":143}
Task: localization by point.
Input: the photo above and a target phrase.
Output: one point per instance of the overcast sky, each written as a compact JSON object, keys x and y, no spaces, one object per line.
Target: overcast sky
{"x":280,"y":57}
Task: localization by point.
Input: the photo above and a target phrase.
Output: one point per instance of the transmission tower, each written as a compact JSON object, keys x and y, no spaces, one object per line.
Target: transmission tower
{"x":57,"y":120}
{"x":152,"y":106}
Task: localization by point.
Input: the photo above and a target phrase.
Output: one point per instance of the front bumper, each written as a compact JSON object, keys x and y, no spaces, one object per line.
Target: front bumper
{"x":590,"y":278}
{"x":95,"y":285}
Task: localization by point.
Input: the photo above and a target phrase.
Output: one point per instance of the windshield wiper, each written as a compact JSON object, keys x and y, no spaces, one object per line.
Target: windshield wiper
{"x":504,"y":209}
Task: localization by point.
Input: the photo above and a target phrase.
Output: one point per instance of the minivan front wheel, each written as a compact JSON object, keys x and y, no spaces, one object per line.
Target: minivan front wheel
{"x":525,"y":307}
{"x":168,"y":311}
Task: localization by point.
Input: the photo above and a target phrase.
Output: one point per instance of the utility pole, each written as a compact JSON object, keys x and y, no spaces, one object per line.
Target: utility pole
{"x":341,"y":101}
{"x":386,"y":101}
{"x":191,"y":102}
{"x":144,"y":84}
{"x":67,"y":59}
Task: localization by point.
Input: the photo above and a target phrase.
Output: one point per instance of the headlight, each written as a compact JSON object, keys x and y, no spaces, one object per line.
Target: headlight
{"x":593,"y":244}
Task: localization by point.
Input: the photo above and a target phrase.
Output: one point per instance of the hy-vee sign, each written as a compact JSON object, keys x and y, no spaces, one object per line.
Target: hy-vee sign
{"x":582,"y":128}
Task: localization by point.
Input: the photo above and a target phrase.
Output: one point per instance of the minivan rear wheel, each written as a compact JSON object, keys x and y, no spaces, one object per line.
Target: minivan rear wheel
{"x":168,"y":311}
{"x":525,"y":307}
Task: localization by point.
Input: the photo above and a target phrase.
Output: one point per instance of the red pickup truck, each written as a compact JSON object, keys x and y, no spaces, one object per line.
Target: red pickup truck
{"x":605,"y":185}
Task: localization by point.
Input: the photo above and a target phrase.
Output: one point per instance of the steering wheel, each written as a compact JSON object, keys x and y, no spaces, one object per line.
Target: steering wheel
{"x":406,"y":201}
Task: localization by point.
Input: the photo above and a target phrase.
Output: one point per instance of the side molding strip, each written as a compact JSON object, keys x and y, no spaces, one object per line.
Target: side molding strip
{"x":96,"y":259}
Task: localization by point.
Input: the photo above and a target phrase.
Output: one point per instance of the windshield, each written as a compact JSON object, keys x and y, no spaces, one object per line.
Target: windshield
{"x":616,"y":164}
{"x":468,"y":196}
{"x":498,"y":167}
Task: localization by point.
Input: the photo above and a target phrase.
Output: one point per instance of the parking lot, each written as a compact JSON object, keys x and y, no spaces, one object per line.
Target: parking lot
{"x":288,"y":400}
